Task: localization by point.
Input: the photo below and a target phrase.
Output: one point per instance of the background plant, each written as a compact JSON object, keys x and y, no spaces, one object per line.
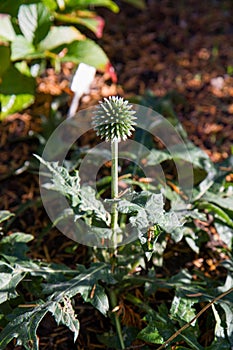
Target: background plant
{"x":33,"y":33}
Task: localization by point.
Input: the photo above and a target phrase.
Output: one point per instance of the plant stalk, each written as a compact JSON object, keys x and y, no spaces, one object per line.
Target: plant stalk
{"x":113,"y":299}
{"x":114,"y":150}
{"x":114,"y":226}
{"x":114,"y":190}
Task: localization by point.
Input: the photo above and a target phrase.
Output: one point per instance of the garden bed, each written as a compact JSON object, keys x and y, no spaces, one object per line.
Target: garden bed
{"x":168,"y":52}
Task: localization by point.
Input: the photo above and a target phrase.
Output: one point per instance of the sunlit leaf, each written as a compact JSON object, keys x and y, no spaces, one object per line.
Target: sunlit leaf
{"x":62,"y":181}
{"x":86,"y":51}
{"x":5,"y":215}
{"x":21,"y":48}
{"x":64,"y":313}
{"x":34,"y":22}
{"x":58,"y":36}
{"x":181,"y":308}
{"x":7,"y":32}
{"x":151,"y":334}
{"x":14,"y":103}
{"x":9,"y":279}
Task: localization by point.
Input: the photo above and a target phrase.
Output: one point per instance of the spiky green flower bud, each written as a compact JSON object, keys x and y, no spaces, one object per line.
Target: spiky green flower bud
{"x":114,"y":119}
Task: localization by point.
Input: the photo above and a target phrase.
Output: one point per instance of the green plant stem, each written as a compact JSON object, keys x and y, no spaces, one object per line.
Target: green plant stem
{"x":139,"y":303}
{"x":114,"y":189}
{"x":113,"y":300}
{"x":114,"y":150}
{"x":67,"y":18}
{"x":114,"y":226}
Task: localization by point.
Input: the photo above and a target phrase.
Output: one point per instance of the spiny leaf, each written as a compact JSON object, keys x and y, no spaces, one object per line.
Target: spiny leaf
{"x":14,"y":248}
{"x":62,"y":181}
{"x":24,"y":327}
{"x":90,"y":203}
{"x":84,"y":283}
{"x":64,"y":313}
{"x":10,"y":277}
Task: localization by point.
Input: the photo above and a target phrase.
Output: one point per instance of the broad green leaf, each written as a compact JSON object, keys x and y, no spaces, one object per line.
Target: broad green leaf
{"x":15,"y":83}
{"x":141,"y":222}
{"x":34,"y":22}
{"x":7,"y":32}
{"x":9,"y":279}
{"x":182,"y":278}
{"x":14,"y":103}
{"x":79,"y":4}
{"x":64,"y":313}
{"x":16,"y":91}
{"x":86,"y":51}
{"x":154,"y":207}
{"x":21,"y":48}
{"x":59,"y":36}
{"x":5,"y":215}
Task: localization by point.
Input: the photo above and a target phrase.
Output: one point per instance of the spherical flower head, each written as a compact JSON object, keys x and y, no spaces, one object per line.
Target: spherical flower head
{"x":114,"y":119}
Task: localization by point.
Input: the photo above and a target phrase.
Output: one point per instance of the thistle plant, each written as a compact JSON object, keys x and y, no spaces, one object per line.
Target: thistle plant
{"x":114,"y":121}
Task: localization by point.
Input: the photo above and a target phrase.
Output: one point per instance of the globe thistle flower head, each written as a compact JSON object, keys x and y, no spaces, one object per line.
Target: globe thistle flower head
{"x":114,"y":119}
